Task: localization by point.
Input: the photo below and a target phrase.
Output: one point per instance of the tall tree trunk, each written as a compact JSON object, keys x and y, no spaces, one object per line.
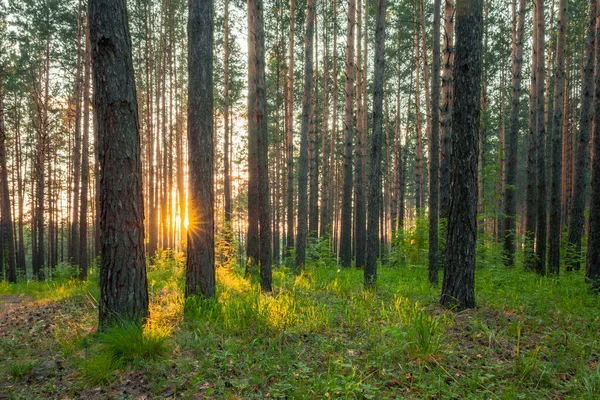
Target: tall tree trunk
{"x":459,"y":269}
{"x":85,"y":164}
{"x":74,"y":242}
{"x":592,"y":272}
{"x":531,"y":173}
{"x":226,"y":167}
{"x":259,"y":231}
{"x":446,"y":109}
{"x":419,"y":185}
{"x":289,"y":133}
{"x":541,"y":227}
{"x":303,"y":159}
{"x":557,"y":121}
{"x":152,"y":217}
{"x":582,"y":151}
{"x":123,"y":283}
{"x":434,"y":142}
{"x":325,"y":222}
{"x":360,"y":210}
{"x":6,"y":220}
{"x":370,"y":273}
{"x":510,"y":186}
{"x":346,"y":216}
{"x":200,"y":268}
{"x":313,"y":145}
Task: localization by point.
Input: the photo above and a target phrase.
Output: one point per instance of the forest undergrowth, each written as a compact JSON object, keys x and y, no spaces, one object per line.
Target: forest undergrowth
{"x":319,"y":335}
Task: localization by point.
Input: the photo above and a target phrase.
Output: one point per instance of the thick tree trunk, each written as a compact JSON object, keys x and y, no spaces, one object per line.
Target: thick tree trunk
{"x":459,"y":269}
{"x":557,"y":131}
{"x":370,"y":272}
{"x":200,"y":267}
{"x":510,"y":186}
{"x":346,"y":217}
{"x":592,"y":272}
{"x":582,"y":151}
{"x":303,"y":159}
{"x":123,"y":283}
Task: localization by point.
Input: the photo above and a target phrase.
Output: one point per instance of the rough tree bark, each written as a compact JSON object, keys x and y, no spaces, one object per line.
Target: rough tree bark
{"x":346,"y":217}
{"x":303,"y":159}
{"x":85,"y":162}
{"x":123,"y":283}
{"x":582,"y":151}
{"x":557,"y":131}
{"x":446,"y":109}
{"x":458,"y":289}
{"x":200,"y":267}
{"x":510,"y":186}
{"x":370,"y":272}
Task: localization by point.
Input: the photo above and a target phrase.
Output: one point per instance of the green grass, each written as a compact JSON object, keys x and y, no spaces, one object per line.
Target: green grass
{"x":321,"y":335}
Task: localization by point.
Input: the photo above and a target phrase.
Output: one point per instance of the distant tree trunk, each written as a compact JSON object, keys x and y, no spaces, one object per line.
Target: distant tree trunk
{"x":226,"y":167}
{"x":6,"y":221}
{"x":419,"y":185}
{"x":346,"y":217}
{"x":370,"y":273}
{"x":582,"y":151}
{"x":557,"y":121}
{"x":531,"y":171}
{"x":592,"y":273}
{"x":428,"y":99}
{"x":360,"y":209}
{"x":325,"y":222}
{"x":499,"y":221}
{"x":332,"y":157}
{"x":289,"y":129}
{"x":459,"y":272}
{"x":434,"y":144}
{"x":123,"y":283}
{"x":85,"y":163}
{"x":510,"y":186}
{"x":303,"y":159}
{"x":446,"y":109}
{"x":21,"y":263}
{"x":74,"y":242}
{"x":395,"y":206}
{"x":541,"y":227}
{"x":313,"y":144}
{"x":152,"y":217}
{"x":200,"y":268}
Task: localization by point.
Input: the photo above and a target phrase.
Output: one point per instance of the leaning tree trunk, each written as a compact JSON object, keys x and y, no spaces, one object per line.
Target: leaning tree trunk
{"x":510,"y":186}
{"x":346,"y":218}
{"x":592,"y":272}
{"x":458,"y":289}
{"x":200,"y":267}
{"x":557,"y":122}
{"x":123,"y":283}
{"x":582,"y":152}
{"x":303,"y":159}
{"x":370,"y":272}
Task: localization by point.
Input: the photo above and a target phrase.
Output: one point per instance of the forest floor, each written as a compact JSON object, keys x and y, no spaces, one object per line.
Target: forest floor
{"x":320,"y":335}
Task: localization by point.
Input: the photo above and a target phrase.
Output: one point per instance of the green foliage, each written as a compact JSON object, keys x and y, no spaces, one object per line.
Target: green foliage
{"x":319,"y":252}
{"x":99,"y":369}
{"x":65,"y":272}
{"x":411,"y":244}
{"x":128,"y":342}
{"x":21,"y":369}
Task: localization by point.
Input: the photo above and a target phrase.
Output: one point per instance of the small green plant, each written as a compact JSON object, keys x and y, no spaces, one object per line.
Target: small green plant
{"x":128,"y":341}
{"x":425,"y":333}
{"x":591,"y":383}
{"x":65,"y":272}
{"x":99,"y":369}
{"x":20,"y":369}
